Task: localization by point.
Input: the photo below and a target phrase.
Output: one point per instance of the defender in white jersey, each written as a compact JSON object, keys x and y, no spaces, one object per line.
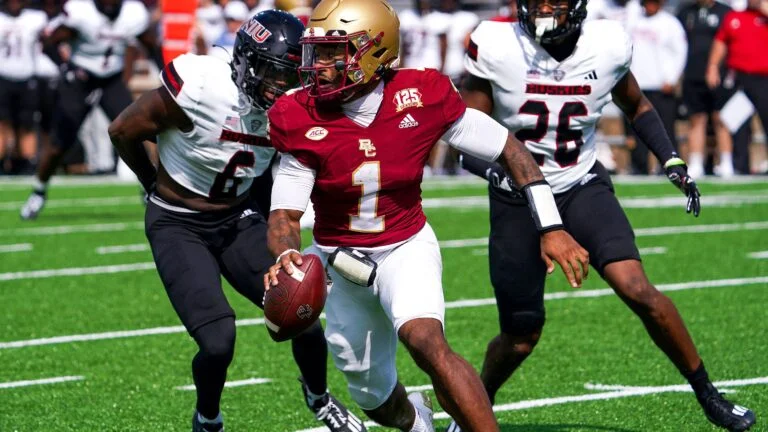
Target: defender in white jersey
{"x":20,"y":29}
{"x":103,"y":36}
{"x":547,"y":78}
{"x":210,"y":123}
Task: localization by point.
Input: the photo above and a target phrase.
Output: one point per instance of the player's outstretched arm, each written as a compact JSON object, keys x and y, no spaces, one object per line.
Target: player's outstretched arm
{"x":146,"y":117}
{"x":650,"y":129}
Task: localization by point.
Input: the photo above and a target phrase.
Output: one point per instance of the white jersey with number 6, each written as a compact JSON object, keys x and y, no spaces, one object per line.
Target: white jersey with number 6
{"x":553,"y":107}
{"x":225,"y":149}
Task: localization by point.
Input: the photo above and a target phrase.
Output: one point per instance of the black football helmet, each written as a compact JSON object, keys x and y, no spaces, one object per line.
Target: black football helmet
{"x":266,"y":56}
{"x":550,"y":32}
{"x":110,"y":8}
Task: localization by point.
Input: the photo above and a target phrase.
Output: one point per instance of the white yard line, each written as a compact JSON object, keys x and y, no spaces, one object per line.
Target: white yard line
{"x":722,"y":199}
{"x":71,"y":229}
{"x":78,"y":202}
{"x":459,"y":304}
{"x":758,"y":255}
{"x":639,"y":232}
{"x":418,"y":388}
{"x":643,"y":251}
{"x":76,"y":271}
{"x":138,"y":247}
{"x":43,"y":381}
{"x":229,"y":384}
{"x":615,"y":392}
{"x":18,"y":247}
{"x":665,"y":201}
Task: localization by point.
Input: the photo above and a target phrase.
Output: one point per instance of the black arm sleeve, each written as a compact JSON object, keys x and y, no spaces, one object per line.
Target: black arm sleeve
{"x":650,"y":129}
{"x":480,"y":167}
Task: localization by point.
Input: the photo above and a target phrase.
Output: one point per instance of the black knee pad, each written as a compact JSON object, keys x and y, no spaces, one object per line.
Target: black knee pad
{"x":216,"y":339}
{"x":521,"y":323}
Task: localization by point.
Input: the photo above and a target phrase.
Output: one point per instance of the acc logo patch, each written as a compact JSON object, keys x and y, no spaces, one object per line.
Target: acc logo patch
{"x":256,"y":30}
{"x":407,"y":98}
{"x":316,"y":133}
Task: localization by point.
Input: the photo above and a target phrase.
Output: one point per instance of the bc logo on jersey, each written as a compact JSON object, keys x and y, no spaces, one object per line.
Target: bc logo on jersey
{"x":407,"y":98}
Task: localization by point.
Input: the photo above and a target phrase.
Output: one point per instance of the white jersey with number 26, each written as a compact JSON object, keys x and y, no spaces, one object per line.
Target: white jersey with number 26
{"x":553,"y":107}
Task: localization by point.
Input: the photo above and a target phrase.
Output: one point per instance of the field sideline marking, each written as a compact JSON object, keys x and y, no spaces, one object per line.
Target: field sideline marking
{"x":43,"y":381}
{"x":117,"y":227}
{"x":658,"y":250}
{"x":70,"y":229}
{"x":613,"y":394}
{"x":77,"y":202}
{"x":448,"y":305}
{"x":721,"y":199}
{"x":137,"y":247}
{"x":229,"y":384}
{"x":18,"y":247}
{"x":77,"y":271}
{"x":758,"y":255}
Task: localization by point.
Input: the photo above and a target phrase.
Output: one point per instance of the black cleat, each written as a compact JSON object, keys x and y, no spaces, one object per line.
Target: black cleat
{"x":725,"y":414}
{"x":333,"y":413}
{"x":198,"y":426}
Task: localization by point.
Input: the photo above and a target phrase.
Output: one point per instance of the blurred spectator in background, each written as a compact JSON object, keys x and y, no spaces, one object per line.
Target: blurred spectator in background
{"x":742,"y":41}
{"x":507,"y":12}
{"x":20,"y":28}
{"x":459,"y":25}
{"x":235,"y":12}
{"x":210,"y":24}
{"x":47,"y":79}
{"x":301,"y":9}
{"x":256,"y":6}
{"x":623,"y":11}
{"x":701,"y":21}
{"x":413,"y":33}
{"x":657,"y":64}
{"x":101,"y":34}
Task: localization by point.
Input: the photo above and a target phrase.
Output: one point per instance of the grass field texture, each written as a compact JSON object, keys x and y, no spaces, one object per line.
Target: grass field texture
{"x":89,"y":341}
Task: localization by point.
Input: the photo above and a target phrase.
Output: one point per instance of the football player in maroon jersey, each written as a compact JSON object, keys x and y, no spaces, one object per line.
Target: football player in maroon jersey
{"x":355,"y":140}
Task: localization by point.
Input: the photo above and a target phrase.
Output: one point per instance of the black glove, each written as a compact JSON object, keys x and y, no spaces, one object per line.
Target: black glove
{"x":677,"y":173}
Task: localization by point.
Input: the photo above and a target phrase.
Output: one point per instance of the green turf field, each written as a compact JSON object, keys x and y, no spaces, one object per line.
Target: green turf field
{"x":89,"y":342}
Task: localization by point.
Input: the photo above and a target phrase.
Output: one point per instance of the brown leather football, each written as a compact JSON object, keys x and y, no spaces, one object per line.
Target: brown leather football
{"x":297,"y":300}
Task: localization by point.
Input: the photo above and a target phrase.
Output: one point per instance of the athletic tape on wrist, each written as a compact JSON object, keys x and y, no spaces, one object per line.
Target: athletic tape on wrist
{"x":543,"y":206}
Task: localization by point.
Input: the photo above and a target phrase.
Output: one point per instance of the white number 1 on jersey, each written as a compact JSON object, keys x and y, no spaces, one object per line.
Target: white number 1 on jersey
{"x":368,"y":176}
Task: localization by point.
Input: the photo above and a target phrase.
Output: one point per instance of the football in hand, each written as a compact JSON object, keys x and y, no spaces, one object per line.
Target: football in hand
{"x":295,"y":303}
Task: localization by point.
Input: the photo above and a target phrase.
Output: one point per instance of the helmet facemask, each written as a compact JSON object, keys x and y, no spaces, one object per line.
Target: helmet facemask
{"x":330,"y":67}
{"x":261,"y":78}
{"x":551,"y":21}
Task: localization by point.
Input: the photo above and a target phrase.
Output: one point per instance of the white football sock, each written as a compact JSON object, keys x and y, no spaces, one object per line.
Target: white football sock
{"x":696,"y":159}
{"x":726,"y":158}
{"x":418,"y":423}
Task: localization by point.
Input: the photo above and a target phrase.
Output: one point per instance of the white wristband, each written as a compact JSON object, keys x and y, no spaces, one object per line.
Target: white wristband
{"x":287,"y":251}
{"x":543,"y":206}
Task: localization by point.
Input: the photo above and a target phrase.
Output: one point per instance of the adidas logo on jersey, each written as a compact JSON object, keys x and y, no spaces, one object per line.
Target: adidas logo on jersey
{"x":591,"y":76}
{"x":408,"y":122}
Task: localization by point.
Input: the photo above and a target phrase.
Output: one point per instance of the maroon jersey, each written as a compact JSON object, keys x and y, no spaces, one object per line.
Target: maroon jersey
{"x":368,"y":179}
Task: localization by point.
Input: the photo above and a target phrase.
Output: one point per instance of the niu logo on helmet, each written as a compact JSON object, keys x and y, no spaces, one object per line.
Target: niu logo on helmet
{"x":256,"y":30}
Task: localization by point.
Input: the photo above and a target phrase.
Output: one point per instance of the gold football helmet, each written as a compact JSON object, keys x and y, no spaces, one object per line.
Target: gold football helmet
{"x":368,"y":31}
